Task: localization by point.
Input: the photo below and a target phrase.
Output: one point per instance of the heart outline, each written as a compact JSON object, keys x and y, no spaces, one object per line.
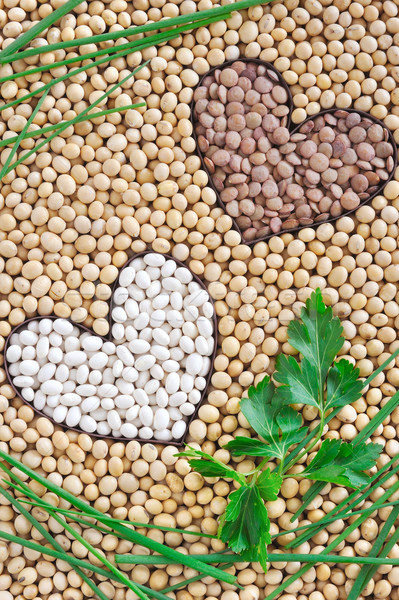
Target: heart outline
{"x":292,"y":130}
{"x":108,"y":338}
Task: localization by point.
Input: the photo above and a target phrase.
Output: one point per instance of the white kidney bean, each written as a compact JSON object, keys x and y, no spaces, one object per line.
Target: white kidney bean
{"x":147,"y":381}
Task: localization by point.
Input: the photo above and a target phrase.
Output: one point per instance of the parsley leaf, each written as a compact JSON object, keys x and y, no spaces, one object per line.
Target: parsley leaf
{"x":245,"y":525}
{"x":207,"y":466}
{"x":342,"y":463}
{"x":269,"y":485}
{"x":343,"y":385}
{"x":319,"y":337}
{"x":244,"y":445}
{"x":258,"y":409}
{"x":299,"y":381}
{"x":279,"y":425}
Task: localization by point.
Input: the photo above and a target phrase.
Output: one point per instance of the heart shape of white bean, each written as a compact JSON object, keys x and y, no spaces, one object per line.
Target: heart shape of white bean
{"x":145,"y":380}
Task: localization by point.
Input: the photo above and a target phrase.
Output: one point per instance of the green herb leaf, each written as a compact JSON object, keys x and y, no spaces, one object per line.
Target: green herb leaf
{"x":279,"y":425}
{"x":244,"y":445}
{"x":343,"y":464}
{"x":319,"y":337}
{"x":343,"y":385}
{"x":258,"y":409}
{"x":245,"y":525}
{"x":299,"y":381}
{"x":289,"y":421}
{"x":269,"y":485}
{"x":208,"y":466}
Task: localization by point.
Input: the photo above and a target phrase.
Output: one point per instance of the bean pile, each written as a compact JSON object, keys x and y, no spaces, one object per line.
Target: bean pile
{"x":143,"y":384}
{"x":139,"y":186}
{"x":270,"y":180}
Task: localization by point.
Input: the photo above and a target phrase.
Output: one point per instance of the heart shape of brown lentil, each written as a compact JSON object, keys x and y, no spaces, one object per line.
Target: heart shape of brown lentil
{"x":271,"y":177}
{"x":108,"y":338}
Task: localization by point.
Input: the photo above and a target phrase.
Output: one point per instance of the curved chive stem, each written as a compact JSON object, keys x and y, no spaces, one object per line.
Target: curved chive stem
{"x":134,"y":46}
{"x":200,"y":18}
{"x":366,"y":573}
{"x":72,"y":560}
{"x":48,"y":508}
{"x":312,"y":526}
{"x":361,"y":436}
{"x":69,"y":61}
{"x":350,"y":502}
{"x":62,"y":78}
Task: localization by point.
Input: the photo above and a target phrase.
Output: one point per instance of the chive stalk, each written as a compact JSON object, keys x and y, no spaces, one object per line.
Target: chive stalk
{"x":366,"y":573}
{"x":128,"y":559}
{"x":67,"y":124}
{"x":352,"y":501}
{"x":340,"y":538}
{"x":133,"y":536}
{"x":72,"y":560}
{"x":96,"y":553}
{"x":200,"y":19}
{"x":365,"y":433}
{"x":80,"y":119}
{"x":47,"y":536}
{"x":37,"y":29}
{"x":21,"y":136}
{"x":110,"y":520}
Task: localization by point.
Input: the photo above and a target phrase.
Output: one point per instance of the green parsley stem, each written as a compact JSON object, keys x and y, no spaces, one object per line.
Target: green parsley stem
{"x":308,"y":448}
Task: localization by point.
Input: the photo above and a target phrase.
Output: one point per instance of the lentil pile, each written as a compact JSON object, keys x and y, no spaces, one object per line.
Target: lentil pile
{"x":271,"y":180}
{"x":124,"y":183}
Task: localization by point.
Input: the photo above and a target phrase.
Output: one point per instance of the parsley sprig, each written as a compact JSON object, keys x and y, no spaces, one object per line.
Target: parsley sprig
{"x":315,"y":377}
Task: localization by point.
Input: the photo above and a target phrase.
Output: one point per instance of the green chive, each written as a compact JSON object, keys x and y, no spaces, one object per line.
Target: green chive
{"x":72,"y":560}
{"x":61,"y":78}
{"x":37,"y":29}
{"x":351,"y":501}
{"x":21,"y":136}
{"x":375,"y":422}
{"x":201,"y":17}
{"x":340,"y":538}
{"x":66,"y":124}
{"x":106,"y":518}
{"x":366,"y":573}
{"x":325,"y":522}
{"x":119,"y":574}
{"x":272,"y":558}
{"x":48,"y":536}
{"x":49,"y":128}
{"x":133,"y":536}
